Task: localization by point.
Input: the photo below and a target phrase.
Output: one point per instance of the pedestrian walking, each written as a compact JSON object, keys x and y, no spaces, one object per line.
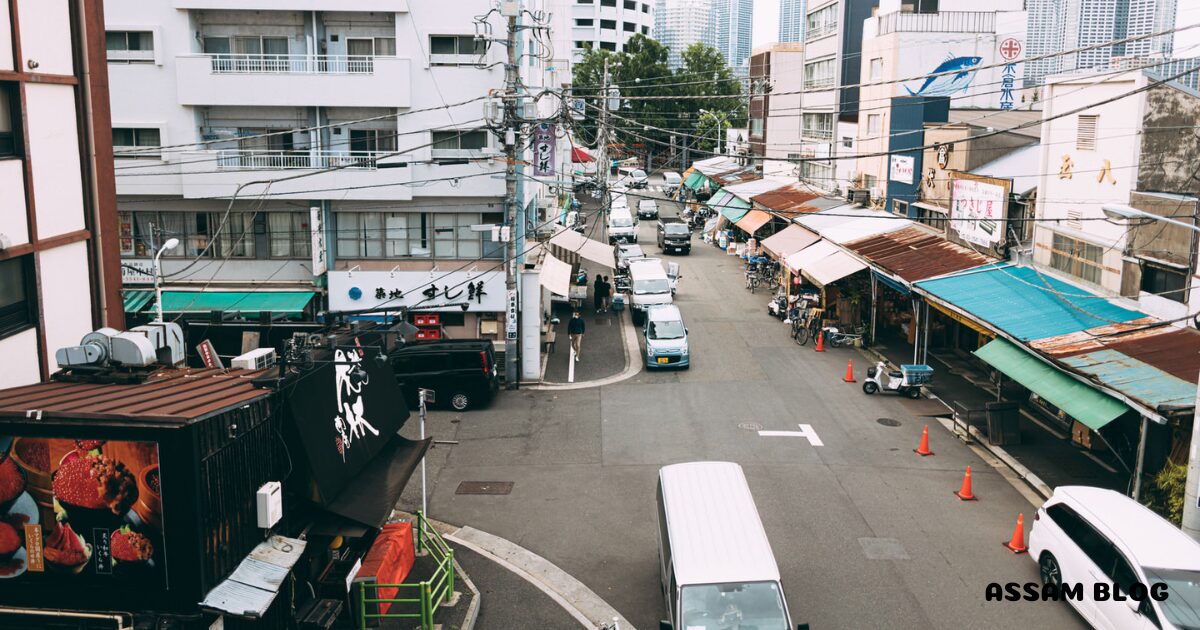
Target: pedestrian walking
{"x":575,"y":331}
{"x":606,"y":289}
{"x":597,"y":295}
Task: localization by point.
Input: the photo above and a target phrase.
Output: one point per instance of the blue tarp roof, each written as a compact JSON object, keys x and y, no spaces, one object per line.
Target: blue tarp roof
{"x":1025,"y":303}
{"x":1134,"y":378}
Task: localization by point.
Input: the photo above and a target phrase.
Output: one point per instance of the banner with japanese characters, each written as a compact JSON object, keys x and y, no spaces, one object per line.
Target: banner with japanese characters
{"x":978,"y":209}
{"x":543,"y":150}
{"x":472,"y":291}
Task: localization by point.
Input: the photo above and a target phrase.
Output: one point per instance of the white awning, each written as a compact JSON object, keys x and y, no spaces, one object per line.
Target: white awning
{"x":863,"y":228}
{"x":808,"y":256}
{"x":555,"y":275}
{"x":833,"y":267}
{"x":577,"y":243}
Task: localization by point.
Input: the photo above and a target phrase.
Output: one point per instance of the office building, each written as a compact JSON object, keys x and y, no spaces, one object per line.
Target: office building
{"x":791,"y":20}
{"x":598,"y":24}
{"x":1057,"y":26}
{"x":681,"y":23}
{"x":733,"y":31}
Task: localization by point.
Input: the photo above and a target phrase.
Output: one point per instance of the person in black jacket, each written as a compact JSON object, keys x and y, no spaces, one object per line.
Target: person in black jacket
{"x":597,"y":294}
{"x":575,"y":331}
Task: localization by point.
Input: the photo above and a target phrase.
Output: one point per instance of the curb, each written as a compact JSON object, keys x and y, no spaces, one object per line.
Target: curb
{"x":632,"y":368}
{"x":476,"y":598}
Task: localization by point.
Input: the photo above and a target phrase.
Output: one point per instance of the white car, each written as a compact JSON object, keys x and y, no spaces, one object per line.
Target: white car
{"x":1095,"y":538}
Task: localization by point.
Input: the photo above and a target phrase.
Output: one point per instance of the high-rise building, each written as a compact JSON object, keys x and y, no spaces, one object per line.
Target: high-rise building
{"x":60,"y":276}
{"x":681,"y":23}
{"x":733,"y":30}
{"x":601,"y":24}
{"x":1061,"y":25}
{"x":791,"y":20}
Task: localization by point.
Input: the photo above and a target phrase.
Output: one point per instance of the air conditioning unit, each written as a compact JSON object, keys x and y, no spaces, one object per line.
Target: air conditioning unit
{"x":860,"y":196}
{"x":256,"y":359}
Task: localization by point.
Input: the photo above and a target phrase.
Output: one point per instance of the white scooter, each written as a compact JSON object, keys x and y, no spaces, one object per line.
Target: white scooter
{"x":906,"y":381}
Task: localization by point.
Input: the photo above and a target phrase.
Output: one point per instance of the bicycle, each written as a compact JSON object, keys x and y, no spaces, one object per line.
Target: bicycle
{"x":752,"y":281}
{"x":807,"y":326}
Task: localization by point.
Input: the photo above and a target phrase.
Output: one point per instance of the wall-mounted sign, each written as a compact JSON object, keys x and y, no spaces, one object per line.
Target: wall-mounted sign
{"x":510,"y":314}
{"x":543,"y":150}
{"x":902,"y":169}
{"x":135,"y":271}
{"x":977,"y":210}
{"x":316,"y":226}
{"x":480,"y":291}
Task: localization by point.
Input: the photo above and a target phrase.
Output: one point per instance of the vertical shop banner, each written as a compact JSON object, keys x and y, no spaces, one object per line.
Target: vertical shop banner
{"x":81,"y":513}
{"x":543,"y":150}
{"x":977,"y":211}
{"x":316,"y":227}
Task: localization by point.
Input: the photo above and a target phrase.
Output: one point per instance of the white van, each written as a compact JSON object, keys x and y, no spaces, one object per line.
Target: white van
{"x":622,"y":227}
{"x":650,"y":285}
{"x":671,"y":182}
{"x":715,"y":562}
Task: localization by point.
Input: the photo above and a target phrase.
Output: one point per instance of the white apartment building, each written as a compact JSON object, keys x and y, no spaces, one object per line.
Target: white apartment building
{"x":296,"y":135}
{"x":960,"y":38}
{"x":776,"y":115}
{"x":598,"y":24}
{"x":1126,"y":152}
{"x":681,"y":23}
{"x":59,"y":273}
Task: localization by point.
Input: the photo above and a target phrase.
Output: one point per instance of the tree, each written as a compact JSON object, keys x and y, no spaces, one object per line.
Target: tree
{"x":721,"y":96}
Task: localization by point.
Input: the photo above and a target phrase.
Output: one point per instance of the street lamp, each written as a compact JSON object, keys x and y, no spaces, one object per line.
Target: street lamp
{"x":1191,"y":508}
{"x":171,"y":243}
{"x":720,"y":124}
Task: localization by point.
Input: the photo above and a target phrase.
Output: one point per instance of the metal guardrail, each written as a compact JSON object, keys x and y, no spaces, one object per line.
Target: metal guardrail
{"x":292,"y":64}
{"x":426,"y":595}
{"x":251,"y":160}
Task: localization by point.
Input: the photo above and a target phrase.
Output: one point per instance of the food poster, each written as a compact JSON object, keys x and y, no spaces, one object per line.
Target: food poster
{"x":87,"y":511}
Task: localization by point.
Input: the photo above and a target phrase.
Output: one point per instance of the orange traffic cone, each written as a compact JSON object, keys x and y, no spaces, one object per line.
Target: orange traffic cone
{"x":849,"y":377}
{"x":1017,"y":544}
{"x":820,"y":341}
{"x":923,"y":448}
{"x":964,"y":492}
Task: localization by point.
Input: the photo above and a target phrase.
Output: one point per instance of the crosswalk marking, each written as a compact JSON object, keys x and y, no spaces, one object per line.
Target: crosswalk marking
{"x":806,"y":431}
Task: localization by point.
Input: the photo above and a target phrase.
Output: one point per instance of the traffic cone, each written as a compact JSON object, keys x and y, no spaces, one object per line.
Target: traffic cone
{"x":923,"y":448}
{"x":849,"y":377}
{"x":1017,"y":544}
{"x":821,"y":341}
{"x":964,"y":492}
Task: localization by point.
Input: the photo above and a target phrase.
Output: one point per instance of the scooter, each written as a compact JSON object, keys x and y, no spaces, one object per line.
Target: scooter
{"x":906,"y":381}
{"x":778,"y":307}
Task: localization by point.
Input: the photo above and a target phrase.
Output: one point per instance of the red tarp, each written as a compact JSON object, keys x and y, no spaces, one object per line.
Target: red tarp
{"x":580,"y":154}
{"x":388,"y":562}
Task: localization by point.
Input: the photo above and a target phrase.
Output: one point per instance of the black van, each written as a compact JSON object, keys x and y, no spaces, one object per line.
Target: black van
{"x":461,"y":372}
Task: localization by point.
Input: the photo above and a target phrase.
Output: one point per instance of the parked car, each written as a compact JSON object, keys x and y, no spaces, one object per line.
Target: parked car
{"x":674,"y":236}
{"x":650,"y":286}
{"x":1088,"y":536}
{"x":665,"y":337}
{"x":622,"y":227}
{"x":647,"y":209}
{"x":461,"y":372}
{"x":627,"y":252}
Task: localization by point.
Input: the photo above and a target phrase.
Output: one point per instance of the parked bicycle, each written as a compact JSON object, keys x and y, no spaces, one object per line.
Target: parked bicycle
{"x":838,"y":338}
{"x":806,"y":325}
{"x":752,"y":280}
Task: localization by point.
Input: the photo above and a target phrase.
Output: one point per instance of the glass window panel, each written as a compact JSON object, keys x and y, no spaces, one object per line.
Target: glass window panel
{"x":116,"y":40}
{"x":442,"y":46}
{"x":123,"y":137}
{"x":279,"y":227}
{"x":360,"y":47}
{"x":349,"y":235}
{"x":141,"y":41}
{"x":216,"y":45}
{"x":12,"y":282}
{"x":147,"y":137}
{"x":474,"y":140}
{"x":397,"y":234}
{"x":372,"y":223}
{"x":446,"y":140}
{"x":385,"y":46}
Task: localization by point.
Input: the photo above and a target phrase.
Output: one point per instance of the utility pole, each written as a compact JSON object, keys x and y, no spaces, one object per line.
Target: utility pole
{"x":512,"y":147}
{"x":602,"y":167}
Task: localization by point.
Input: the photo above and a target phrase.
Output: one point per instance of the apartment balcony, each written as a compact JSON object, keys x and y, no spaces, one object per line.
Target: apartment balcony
{"x":944,"y":22}
{"x":373,"y":176}
{"x":816,"y":84}
{"x":290,"y":80}
{"x":385,"y":6}
{"x":817,"y":134}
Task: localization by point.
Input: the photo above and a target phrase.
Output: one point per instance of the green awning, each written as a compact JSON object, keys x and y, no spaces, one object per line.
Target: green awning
{"x":1076,"y":399}
{"x":695,"y":181}
{"x":235,"y":301}
{"x":734,"y":214}
{"x":136,"y":300}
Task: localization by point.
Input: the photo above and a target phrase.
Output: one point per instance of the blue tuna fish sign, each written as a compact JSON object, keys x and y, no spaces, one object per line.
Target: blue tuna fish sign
{"x":953,"y":75}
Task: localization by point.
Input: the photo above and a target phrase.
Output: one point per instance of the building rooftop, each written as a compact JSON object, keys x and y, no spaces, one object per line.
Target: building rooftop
{"x":999,"y":119}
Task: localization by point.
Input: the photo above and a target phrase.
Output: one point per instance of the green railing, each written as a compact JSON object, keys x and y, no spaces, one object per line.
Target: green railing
{"x":417,"y":600}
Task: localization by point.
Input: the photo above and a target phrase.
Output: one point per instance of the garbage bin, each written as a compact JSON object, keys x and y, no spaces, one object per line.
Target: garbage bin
{"x":1003,"y":423}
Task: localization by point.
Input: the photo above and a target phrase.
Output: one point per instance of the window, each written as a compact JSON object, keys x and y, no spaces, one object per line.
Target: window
{"x":608,"y":24}
{"x":608,"y":3}
{"x":645,"y":8}
{"x":131,"y":142}
{"x":450,"y":50}
{"x":371,"y":47}
{"x":819,"y":74}
{"x":819,"y":126}
{"x":9,"y":120}
{"x":1077,"y":258}
{"x":848,"y":142}
{"x":1093,"y":544}
{"x":142,"y":232}
{"x":289,"y":234}
{"x":17,"y":296}
{"x":822,"y":22}
{"x":933,"y":218}
{"x":629,"y":27}
{"x":1165,"y":282}
{"x":584,"y":22}
{"x":459,"y":144}
{"x":584,"y":1}
{"x":877,"y":68}
{"x":414,"y":234}
{"x":372,"y":141}
{"x":130,"y":46}
{"x":236,"y":239}
{"x":630,"y":5}
{"x":584,"y":45}
{"x":874,"y":123}
{"x":1085,"y":135}
{"x":645,"y":30}
{"x":817,"y":171}
{"x":757,"y":127}
{"x":608,"y":45}
{"x":899,"y":208}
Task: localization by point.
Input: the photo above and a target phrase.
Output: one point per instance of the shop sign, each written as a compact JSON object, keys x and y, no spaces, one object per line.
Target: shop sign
{"x":137,"y":271}
{"x":902,"y":169}
{"x":510,"y":316}
{"x":543,"y":150}
{"x":86,"y":513}
{"x":316,"y":227}
{"x":977,"y":211}
{"x":418,"y":290}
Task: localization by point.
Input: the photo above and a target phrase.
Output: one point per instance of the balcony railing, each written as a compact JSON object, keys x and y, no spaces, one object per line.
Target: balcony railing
{"x":817,"y":134}
{"x":944,"y":22}
{"x":820,"y":30}
{"x":292,"y":64}
{"x":816,"y":83}
{"x":130,"y":55}
{"x":249,"y":160}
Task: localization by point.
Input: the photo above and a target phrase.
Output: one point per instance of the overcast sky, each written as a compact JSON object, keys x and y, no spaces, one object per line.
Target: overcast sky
{"x":1187,"y":43}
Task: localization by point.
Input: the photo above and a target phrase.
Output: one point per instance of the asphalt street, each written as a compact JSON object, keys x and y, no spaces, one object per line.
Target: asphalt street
{"x":866,"y":533}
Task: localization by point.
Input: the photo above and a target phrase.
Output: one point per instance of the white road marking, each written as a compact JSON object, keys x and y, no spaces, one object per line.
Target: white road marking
{"x":571,"y":366}
{"x":806,"y":431}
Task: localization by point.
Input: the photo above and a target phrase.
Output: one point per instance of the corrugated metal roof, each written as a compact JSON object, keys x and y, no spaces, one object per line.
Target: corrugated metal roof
{"x":1136,"y":379}
{"x":177,"y":395}
{"x":743,"y":174}
{"x":1024,"y":303}
{"x":915,"y":253}
{"x":1173,"y":350}
{"x":748,"y":189}
{"x":717,"y":165}
{"x":790,"y":199}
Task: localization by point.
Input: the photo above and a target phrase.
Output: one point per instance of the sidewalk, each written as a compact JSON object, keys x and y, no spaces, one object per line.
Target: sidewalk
{"x":1046,"y":451}
{"x":603,"y":347}
{"x":507,"y":600}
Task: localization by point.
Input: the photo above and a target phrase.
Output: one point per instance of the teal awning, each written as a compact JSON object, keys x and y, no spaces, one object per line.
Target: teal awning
{"x":136,"y":300}
{"x":695,"y":181}
{"x":734,"y":214}
{"x":235,"y":301}
{"x":1075,"y":398}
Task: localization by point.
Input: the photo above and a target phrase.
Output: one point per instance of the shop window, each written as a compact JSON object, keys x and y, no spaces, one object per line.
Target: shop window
{"x":289,"y":234}
{"x":1077,"y":258}
{"x":1164,"y":281}
{"x":17,"y":295}
{"x":130,"y":142}
{"x":412,"y":234}
{"x":10,"y":120}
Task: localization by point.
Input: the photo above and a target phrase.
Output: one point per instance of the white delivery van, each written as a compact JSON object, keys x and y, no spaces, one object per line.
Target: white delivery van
{"x":649,"y":285}
{"x":622,"y":228}
{"x":671,"y":182}
{"x":715,"y":562}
